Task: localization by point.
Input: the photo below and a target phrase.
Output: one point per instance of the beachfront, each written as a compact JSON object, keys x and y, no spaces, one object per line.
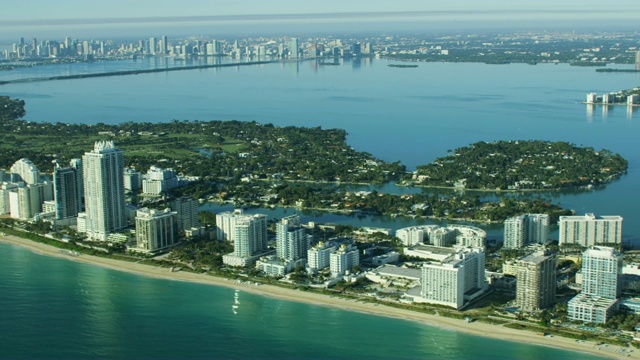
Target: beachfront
{"x":474,"y":328}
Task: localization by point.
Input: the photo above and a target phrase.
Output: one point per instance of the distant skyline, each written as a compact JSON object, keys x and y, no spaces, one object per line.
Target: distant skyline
{"x":38,"y":18}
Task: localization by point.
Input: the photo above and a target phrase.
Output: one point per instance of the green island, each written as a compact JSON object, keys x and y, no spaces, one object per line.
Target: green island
{"x":252,"y":164}
{"x":521,"y":165}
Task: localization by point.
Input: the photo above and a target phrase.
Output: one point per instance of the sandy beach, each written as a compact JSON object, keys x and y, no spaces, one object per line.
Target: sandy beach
{"x":474,"y":328}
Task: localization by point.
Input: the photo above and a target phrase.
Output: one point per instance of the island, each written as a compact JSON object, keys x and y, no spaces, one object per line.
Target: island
{"x":520,"y":165}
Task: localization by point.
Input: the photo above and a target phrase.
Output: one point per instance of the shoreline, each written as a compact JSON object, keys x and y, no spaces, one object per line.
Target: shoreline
{"x":475,"y":328}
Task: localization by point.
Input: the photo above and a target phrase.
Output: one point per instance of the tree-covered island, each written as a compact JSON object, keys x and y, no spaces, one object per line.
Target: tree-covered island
{"x":520,"y":165}
{"x":252,"y":164}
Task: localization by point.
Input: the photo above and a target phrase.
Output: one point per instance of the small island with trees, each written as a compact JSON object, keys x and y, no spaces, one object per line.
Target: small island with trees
{"x":520,"y":165}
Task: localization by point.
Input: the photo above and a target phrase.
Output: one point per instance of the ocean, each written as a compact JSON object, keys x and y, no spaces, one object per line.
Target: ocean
{"x":57,"y":308}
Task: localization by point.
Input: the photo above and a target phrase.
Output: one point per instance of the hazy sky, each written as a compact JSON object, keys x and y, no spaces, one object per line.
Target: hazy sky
{"x":42,"y":17}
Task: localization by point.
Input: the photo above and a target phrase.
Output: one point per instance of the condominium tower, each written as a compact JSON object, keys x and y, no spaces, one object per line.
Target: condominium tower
{"x":456,"y":281}
{"x":590,"y":230}
{"x":292,"y":241}
{"x":520,"y":231}
{"x":155,"y":229}
{"x":66,"y":193}
{"x":103,"y":169}
{"x":26,"y":171}
{"x":535,"y":281}
{"x":248,"y":234}
{"x":601,"y":267}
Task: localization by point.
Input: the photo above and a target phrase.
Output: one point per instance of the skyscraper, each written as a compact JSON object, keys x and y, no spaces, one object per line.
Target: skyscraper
{"x":535,"y":281}
{"x":292,"y":242}
{"x":66,"y":193}
{"x":152,"y":46}
{"x":601,"y":267}
{"x":294,"y":48}
{"x":104,"y":190}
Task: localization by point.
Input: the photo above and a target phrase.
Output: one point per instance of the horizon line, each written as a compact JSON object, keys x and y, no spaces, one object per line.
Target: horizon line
{"x":294,"y":16}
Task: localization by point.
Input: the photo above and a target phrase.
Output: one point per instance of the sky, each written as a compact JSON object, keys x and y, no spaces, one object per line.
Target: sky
{"x":37,"y":18}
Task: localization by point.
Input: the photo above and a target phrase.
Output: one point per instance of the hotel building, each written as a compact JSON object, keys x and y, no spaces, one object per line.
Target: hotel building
{"x":103,"y":169}
{"x":520,"y":231}
{"x":597,"y":301}
{"x":456,"y":281}
{"x":155,"y":229}
{"x":590,"y":230}
{"x":535,"y":281}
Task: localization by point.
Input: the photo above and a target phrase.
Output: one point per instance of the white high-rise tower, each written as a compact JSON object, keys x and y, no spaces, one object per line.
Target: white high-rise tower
{"x":104,"y":190}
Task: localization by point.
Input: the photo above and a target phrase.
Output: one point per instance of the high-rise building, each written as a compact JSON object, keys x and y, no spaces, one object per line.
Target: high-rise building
{"x":152,"y":46}
{"x":66,"y":193}
{"x":26,"y":171}
{"x":103,"y":169}
{"x":155,"y":229}
{"x":77,"y":164}
{"x":292,"y":241}
{"x":520,"y":231}
{"x":250,"y":234}
{"x":590,"y":230}
{"x":132,"y":179}
{"x":601,"y":267}
{"x":456,"y":281}
{"x":5,"y":204}
{"x":535,"y":281}
{"x":187,"y":209}
{"x":26,"y":201}
{"x":638,"y":60}
{"x":318,"y":257}
{"x":158,"y":180}
{"x":163,"y":45}
{"x":249,"y":237}
{"x":294,"y":48}
{"x":343,"y":259}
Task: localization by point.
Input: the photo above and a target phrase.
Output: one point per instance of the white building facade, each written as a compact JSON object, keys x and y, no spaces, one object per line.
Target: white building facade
{"x":590,"y":230}
{"x":155,"y":229}
{"x":455,"y":282}
{"x":601,"y":267}
{"x":103,"y":169}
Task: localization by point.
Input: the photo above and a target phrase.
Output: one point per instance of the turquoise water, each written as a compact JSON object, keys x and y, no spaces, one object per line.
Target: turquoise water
{"x":57,"y":308}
